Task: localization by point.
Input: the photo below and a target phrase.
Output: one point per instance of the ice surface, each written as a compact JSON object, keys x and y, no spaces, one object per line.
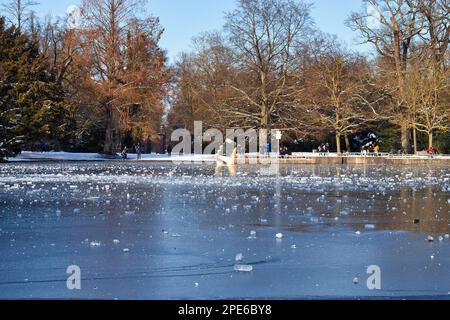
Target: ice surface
{"x":178,"y":224}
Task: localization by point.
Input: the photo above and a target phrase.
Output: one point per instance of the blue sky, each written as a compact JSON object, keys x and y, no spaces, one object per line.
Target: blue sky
{"x":184,"y":19}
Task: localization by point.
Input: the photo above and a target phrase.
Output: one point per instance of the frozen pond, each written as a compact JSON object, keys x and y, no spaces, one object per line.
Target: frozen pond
{"x":161,"y":231}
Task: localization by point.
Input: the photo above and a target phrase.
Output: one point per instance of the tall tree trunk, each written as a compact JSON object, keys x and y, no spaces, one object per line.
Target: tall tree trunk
{"x":338,"y":143}
{"x":347,"y":142}
{"x":415,"y":139}
{"x":109,"y":133}
{"x":430,"y":139}
{"x":265,"y":118}
{"x":405,"y":136}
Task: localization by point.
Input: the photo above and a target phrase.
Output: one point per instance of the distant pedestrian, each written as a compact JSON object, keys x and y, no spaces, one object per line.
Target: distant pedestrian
{"x":124,"y":153}
{"x":169,"y":150}
{"x":284,"y":152}
{"x":268,"y":149}
{"x":410,"y":149}
{"x":138,"y":151}
{"x":432,"y":151}
{"x":376,"y":150}
{"x":323,"y":149}
{"x":363,"y":151}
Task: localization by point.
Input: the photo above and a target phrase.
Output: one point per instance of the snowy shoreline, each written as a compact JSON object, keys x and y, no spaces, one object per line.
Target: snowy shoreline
{"x":28,"y":156}
{"x":299,"y":158}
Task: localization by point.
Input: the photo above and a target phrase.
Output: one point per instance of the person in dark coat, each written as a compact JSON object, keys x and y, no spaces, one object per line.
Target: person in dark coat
{"x":138,"y":151}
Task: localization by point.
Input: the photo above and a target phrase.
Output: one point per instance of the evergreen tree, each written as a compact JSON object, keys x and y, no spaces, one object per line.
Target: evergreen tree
{"x":31,"y":102}
{"x":11,"y":53}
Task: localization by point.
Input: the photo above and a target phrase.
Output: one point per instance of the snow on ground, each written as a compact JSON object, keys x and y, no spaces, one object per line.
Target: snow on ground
{"x":66,"y":156}
{"x":28,"y":156}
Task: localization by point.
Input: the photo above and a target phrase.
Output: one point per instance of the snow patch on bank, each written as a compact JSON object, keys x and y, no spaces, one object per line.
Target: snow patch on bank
{"x":28,"y":156}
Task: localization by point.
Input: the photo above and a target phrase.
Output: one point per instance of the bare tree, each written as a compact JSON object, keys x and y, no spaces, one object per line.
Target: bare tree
{"x":429,"y":92}
{"x":392,"y":27}
{"x":19,"y":11}
{"x":337,"y":92}
{"x":436,"y":30}
{"x":204,"y":81}
{"x":265,"y":35}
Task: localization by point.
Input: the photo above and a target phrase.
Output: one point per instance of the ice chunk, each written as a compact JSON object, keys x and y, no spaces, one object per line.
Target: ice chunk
{"x":95,"y":244}
{"x":239,"y":257}
{"x":243,"y":268}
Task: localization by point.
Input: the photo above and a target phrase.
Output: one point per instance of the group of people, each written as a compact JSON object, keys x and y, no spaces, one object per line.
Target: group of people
{"x":432,"y":151}
{"x":370,"y":148}
{"x":324,"y":149}
{"x":138,"y":149}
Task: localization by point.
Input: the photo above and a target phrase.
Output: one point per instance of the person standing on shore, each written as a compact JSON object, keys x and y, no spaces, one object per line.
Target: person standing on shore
{"x":376,"y":150}
{"x":138,"y":151}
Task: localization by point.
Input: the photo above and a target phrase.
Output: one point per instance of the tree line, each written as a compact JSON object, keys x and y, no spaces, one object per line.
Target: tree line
{"x":99,"y":80}
{"x":270,"y":68}
{"x":84,"y":83}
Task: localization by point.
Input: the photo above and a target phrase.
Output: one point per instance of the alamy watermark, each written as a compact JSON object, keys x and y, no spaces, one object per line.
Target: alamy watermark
{"x":237,"y":146}
{"x":74,"y":280}
{"x":374,"y":281}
